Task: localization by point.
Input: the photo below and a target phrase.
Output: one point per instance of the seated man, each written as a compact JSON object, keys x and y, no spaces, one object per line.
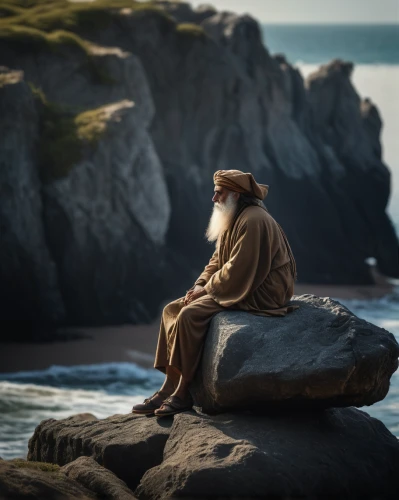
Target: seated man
{"x":252,"y":269}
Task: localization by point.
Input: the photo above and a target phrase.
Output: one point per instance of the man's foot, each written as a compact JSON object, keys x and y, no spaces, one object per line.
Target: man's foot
{"x":173,"y":405}
{"x":150,"y":404}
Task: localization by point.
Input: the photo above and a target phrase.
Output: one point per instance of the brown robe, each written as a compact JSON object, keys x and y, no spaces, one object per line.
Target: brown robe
{"x":252,"y":269}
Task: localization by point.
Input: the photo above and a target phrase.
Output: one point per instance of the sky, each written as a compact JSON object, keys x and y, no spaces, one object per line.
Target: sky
{"x":312,"y":11}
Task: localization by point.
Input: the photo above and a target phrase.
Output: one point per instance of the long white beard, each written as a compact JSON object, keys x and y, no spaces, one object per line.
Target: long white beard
{"x":221,"y":218}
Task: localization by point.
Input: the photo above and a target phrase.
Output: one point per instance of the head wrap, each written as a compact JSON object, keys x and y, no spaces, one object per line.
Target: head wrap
{"x":241,"y":182}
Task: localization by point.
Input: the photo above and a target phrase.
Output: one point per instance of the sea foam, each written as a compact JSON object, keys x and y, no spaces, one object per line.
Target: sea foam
{"x":27,"y":398}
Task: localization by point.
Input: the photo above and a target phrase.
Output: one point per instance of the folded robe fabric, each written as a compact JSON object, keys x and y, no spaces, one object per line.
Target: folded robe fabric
{"x":252,"y":269}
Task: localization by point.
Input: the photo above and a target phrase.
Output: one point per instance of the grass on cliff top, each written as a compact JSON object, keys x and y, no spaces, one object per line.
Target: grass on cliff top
{"x":53,"y":15}
{"x":63,"y":135}
{"x":32,"y":40}
{"x":35,"y":40}
{"x":190,"y":32}
{"x":190,"y":29}
{"x":61,"y":14}
{"x":9,"y":11}
{"x":27,"y":4}
{"x":91,"y":124}
{"x":46,"y":467}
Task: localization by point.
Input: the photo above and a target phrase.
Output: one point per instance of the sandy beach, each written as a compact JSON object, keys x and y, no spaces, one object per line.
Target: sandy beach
{"x":136,"y":343}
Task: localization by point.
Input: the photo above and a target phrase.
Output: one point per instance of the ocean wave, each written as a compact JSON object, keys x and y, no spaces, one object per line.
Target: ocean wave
{"x":113,"y":378}
{"x":24,"y":406}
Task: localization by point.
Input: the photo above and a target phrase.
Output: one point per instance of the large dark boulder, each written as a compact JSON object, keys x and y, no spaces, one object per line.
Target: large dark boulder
{"x":320,"y":355}
{"x":336,"y":453}
{"x":127,"y":445}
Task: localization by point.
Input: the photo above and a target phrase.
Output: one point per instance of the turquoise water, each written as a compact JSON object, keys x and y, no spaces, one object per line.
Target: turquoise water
{"x":314,"y":44}
{"x":26,"y":398}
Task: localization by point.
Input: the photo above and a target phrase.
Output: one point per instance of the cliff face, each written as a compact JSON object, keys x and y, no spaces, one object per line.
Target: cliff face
{"x":29,"y":282}
{"x":97,"y":218}
{"x":158,"y":105}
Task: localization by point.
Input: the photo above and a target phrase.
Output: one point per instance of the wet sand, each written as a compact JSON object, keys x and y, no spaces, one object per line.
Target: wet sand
{"x":136,"y":343}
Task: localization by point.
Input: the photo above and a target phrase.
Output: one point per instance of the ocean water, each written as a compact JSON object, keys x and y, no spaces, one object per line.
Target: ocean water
{"x":26,"y":398}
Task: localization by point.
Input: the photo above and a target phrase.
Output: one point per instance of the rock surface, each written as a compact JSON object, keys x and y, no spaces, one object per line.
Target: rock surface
{"x":29,"y":282}
{"x":329,"y":453}
{"x":319,"y":355}
{"x":29,"y":480}
{"x":127,"y":445}
{"x":97,"y":479}
{"x":113,"y":201}
{"x":336,"y":453}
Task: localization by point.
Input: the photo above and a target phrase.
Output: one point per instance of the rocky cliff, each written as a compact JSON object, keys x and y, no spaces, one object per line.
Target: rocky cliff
{"x":107,"y":182}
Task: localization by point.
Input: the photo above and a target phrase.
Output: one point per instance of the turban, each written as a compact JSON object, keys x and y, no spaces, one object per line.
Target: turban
{"x":241,"y":182}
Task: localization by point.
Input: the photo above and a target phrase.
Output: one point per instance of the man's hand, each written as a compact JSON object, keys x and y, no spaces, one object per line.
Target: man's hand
{"x":193,"y":294}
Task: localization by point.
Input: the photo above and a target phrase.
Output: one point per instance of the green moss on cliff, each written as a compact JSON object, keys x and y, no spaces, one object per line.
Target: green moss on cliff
{"x":46,"y":467}
{"x":188,"y":36}
{"x":9,"y":11}
{"x":60,"y":147}
{"x":81,"y":16}
{"x":91,"y":124}
{"x":31,"y":39}
{"x":28,"y":4}
{"x":8,"y":78}
{"x":38,"y":94}
{"x":191,"y":30}
{"x":63,"y":136}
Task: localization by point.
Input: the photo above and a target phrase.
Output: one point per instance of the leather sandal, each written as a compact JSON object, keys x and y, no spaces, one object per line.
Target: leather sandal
{"x":173,"y":405}
{"x":148,"y":407}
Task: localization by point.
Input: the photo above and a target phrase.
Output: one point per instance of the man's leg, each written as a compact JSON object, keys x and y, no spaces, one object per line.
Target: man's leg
{"x":171,"y":382}
{"x":186,"y":347}
{"x":168,"y":319}
{"x":181,"y":337}
{"x":167,"y":330}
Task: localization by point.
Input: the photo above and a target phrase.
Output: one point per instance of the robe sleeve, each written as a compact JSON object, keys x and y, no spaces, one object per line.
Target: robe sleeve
{"x":250,"y":258}
{"x":209,"y":270}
